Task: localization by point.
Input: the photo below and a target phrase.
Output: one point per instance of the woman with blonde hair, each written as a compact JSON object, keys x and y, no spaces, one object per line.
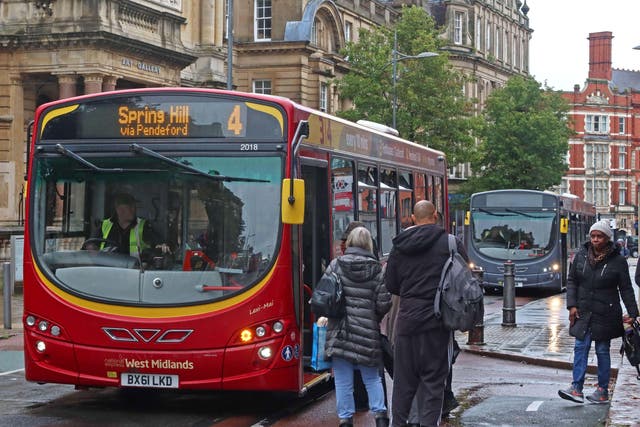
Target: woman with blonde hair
{"x":353,"y":341}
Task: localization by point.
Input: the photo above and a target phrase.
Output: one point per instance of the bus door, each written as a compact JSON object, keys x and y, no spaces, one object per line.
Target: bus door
{"x":316,"y":231}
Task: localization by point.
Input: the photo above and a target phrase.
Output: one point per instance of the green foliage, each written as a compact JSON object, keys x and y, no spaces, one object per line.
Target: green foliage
{"x":524,"y":139}
{"x":431,"y":108}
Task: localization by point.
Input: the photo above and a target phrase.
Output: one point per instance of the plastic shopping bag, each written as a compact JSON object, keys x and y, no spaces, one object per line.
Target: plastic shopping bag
{"x":318,"y":361}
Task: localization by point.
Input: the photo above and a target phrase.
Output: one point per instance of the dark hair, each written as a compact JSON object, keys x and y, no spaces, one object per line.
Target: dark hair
{"x":124,"y":199}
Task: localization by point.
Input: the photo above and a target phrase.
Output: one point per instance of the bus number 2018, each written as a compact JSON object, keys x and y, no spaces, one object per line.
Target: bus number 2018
{"x":248,"y":147}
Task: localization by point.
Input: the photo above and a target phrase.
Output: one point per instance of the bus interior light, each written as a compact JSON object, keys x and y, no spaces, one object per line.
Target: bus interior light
{"x":278,"y":327}
{"x":41,"y":346}
{"x":246,"y":335}
{"x":265,"y":353}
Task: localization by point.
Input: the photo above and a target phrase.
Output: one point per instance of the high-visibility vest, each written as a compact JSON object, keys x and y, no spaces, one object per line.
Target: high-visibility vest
{"x":135,"y":236}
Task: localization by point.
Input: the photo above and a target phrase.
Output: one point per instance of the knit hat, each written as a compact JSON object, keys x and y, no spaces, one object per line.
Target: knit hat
{"x":603,"y":227}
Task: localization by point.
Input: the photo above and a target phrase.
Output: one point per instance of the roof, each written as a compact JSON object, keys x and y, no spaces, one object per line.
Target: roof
{"x":625,"y":79}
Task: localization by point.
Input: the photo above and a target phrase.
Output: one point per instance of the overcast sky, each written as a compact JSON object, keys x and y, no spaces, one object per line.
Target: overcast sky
{"x":559,"y":49}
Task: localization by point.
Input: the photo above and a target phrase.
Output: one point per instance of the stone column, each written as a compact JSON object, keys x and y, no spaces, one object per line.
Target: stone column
{"x":206,"y":25}
{"x":109,"y":83}
{"x":92,"y":83}
{"x":219,"y":26}
{"x":67,"y":85}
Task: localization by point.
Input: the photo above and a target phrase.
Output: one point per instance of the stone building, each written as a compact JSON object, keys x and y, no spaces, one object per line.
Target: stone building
{"x":603,"y":155}
{"x":54,"y":49}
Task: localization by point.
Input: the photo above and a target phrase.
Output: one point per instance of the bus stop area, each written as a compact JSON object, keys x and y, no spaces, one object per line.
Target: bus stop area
{"x":540,"y":337}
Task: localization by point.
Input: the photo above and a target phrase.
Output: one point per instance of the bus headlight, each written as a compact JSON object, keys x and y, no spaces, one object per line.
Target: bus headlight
{"x":41,"y":346}
{"x":278,"y":327}
{"x":43,"y":325}
{"x":555,"y":267}
{"x":472,"y":265}
{"x":260,"y":331}
{"x":265,"y":353}
{"x":31,"y":320}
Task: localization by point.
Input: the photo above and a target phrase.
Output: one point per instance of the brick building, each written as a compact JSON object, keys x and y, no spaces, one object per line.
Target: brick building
{"x":603,"y":154}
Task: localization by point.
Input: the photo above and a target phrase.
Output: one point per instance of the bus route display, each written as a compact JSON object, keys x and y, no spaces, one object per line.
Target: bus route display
{"x":162,"y":116}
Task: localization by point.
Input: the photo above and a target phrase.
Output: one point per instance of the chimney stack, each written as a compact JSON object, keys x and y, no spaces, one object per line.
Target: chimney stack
{"x":600,"y":55}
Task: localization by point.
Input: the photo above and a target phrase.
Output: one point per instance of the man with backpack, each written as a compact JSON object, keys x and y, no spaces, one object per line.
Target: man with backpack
{"x":422,"y":346}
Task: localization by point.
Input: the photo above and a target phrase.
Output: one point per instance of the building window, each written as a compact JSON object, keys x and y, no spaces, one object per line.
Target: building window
{"x":601,"y":160}
{"x":514,"y":52}
{"x":262,"y":86}
{"x":621,"y":129}
{"x":595,"y":123}
{"x":498,"y":43}
{"x":314,"y":32}
{"x":324,"y":97}
{"x":622,"y":157}
{"x":622,"y":193}
{"x":262,"y":15}
{"x":457,"y":27}
{"x":478,"y":33}
{"x":348,"y":30}
{"x":601,"y":196}
{"x":487,"y":42}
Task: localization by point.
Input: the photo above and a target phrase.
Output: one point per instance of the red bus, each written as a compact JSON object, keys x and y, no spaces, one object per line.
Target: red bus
{"x":249,"y":192}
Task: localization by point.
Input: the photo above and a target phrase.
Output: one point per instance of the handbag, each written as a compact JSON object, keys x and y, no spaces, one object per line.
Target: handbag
{"x":318,"y":359}
{"x":580,"y":325}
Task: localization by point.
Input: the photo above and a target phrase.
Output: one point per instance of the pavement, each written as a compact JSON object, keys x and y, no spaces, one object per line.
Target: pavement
{"x":540,"y":337}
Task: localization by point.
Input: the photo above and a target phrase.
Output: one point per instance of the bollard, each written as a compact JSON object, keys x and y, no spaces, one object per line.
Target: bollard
{"x":6,"y":289}
{"x":509,"y":296}
{"x":476,"y":335}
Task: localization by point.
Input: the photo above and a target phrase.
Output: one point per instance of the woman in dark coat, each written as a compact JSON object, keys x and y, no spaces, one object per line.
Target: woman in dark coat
{"x":353,"y":341}
{"x":598,"y":278}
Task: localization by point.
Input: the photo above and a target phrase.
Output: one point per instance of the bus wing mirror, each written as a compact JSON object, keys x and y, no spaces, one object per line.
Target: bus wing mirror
{"x":564,"y":225}
{"x":292,"y":202}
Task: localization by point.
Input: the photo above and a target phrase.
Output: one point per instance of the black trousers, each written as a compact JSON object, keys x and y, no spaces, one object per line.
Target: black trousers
{"x":421,"y":360}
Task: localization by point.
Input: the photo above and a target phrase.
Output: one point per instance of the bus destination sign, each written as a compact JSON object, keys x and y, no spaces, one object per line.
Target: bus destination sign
{"x":162,"y":116}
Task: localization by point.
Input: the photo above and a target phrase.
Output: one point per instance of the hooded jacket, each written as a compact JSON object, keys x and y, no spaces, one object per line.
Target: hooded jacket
{"x":413,"y":272}
{"x":356,"y":336}
{"x":598,"y":289}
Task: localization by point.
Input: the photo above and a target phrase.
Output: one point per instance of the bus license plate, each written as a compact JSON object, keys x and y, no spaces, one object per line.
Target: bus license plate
{"x":148,"y":380}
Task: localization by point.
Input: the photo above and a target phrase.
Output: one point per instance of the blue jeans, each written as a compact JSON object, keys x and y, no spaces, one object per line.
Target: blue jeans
{"x":581,"y":360}
{"x":343,"y":377}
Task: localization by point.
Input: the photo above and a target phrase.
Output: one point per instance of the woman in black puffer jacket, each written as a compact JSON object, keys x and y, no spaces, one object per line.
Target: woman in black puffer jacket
{"x":353,"y":341}
{"x":598,"y":278}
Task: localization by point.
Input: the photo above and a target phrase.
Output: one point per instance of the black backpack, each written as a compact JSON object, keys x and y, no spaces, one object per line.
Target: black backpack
{"x":327,"y":299}
{"x":631,"y":345}
{"x":459,"y":299}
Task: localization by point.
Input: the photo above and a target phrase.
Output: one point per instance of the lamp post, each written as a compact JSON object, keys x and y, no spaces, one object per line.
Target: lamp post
{"x":229,"y":44}
{"x":395,"y":58}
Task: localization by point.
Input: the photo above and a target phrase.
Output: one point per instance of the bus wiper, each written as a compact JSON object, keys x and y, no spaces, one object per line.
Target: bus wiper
{"x":523,"y":213}
{"x":493,"y":213}
{"x":138,"y":149}
{"x":70,"y":154}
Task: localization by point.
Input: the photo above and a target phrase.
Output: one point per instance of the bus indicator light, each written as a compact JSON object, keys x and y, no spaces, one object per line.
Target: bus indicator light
{"x":246,"y":335}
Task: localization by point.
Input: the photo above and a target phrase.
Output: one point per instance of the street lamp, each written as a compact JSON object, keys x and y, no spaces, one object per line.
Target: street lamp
{"x":395,"y":58}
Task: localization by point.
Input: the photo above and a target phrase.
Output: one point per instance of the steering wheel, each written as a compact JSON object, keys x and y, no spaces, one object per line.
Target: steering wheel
{"x":109,"y":245}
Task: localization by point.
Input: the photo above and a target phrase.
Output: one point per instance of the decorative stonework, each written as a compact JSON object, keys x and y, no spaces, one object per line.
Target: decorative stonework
{"x":597,"y":98}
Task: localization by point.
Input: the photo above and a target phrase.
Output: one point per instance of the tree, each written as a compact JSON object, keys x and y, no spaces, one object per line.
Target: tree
{"x":431,"y":107}
{"x":524,"y":139}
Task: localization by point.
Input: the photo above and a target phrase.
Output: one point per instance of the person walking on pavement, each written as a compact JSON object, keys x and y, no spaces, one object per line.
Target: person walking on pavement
{"x":353,"y":341}
{"x":598,"y":278}
{"x":423,"y":348}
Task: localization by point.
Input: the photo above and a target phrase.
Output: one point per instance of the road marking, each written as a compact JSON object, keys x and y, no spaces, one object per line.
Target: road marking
{"x":534,"y":405}
{"x":11,"y":372}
